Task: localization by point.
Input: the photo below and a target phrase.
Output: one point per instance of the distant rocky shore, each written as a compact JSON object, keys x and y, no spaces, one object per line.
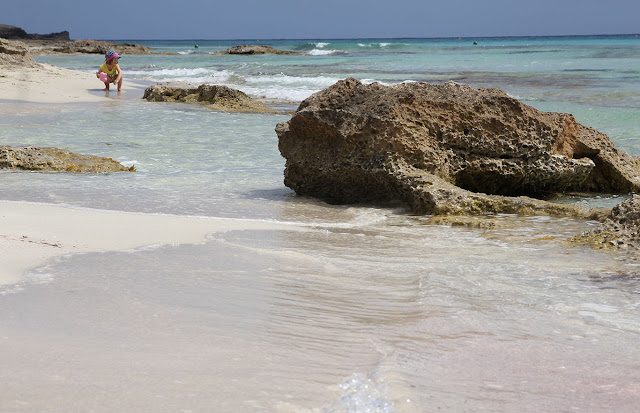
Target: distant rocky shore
{"x":16,"y":33}
{"x":60,"y":43}
{"x":42,"y":47}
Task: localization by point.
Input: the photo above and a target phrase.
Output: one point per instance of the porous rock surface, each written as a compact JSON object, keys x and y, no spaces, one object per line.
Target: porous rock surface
{"x":620,"y":230}
{"x":445,"y":149}
{"x":56,"y":160}
{"x":218,"y":97}
{"x":15,"y":53}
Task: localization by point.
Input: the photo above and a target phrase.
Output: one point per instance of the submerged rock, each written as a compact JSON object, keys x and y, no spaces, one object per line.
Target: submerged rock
{"x":254,"y":49}
{"x":15,"y":53}
{"x":445,"y":149}
{"x":218,"y":97}
{"x":56,"y":160}
{"x":620,"y":230}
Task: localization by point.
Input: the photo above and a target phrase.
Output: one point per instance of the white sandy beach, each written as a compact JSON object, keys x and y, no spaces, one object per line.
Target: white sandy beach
{"x":48,"y":84}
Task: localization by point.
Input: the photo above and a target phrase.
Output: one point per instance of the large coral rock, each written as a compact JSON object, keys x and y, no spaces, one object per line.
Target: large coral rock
{"x":217,"y":97}
{"x":15,"y":53}
{"x":444,"y":149}
{"x":56,"y":160}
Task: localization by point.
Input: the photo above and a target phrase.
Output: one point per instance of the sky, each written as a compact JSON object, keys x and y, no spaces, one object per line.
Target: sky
{"x":322,"y":19}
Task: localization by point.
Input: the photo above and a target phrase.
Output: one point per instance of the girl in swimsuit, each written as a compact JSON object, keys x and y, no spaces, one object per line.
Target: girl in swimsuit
{"x":112,"y":69}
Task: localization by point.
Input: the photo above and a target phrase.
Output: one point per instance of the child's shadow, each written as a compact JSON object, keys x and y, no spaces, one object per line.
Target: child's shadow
{"x":112,"y":93}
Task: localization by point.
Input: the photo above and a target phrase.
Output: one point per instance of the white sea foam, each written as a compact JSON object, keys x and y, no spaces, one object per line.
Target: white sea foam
{"x":278,"y":92}
{"x":317,"y":52}
{"x":179,"y":72}
{"x":360,"y":394}
{"x":282,"y":86}
{"x":284,"y":79}
{"x":196,"y":75}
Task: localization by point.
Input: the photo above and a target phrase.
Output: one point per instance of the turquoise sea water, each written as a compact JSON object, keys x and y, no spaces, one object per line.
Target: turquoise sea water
{"x":373,"y":310}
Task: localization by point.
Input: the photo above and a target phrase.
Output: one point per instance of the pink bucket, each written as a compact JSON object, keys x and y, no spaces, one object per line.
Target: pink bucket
{"x":103,"y":76}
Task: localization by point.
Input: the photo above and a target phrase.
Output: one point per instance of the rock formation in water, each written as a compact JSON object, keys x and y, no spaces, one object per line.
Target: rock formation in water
{"x":620,"y":230}
{"x":445,"y":149}
{"x":56,"y":160}
{"x":254,"y":49}
{"x":16,"y":33}
{"x":15,"y":53}
{"x":217,"y":97}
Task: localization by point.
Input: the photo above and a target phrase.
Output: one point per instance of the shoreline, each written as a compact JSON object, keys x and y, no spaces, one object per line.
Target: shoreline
{"x":32,"y":234}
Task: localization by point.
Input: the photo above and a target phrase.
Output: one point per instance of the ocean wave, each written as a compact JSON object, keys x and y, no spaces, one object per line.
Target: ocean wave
{"x":305,"y":47}
{"x":170,"y":72}
{"x":278,"y":93}
{"x":195,"y":75}
{"x":283,"y":80}
{"x":318,"y":52}
{"x":190,"y":52}
{"x":375,"y":44}
{"x":382,"y":45}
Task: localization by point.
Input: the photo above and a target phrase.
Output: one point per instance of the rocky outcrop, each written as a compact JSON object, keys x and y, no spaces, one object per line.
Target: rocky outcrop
{"x":16,"y":33}
{"x":253,"y":50}
{"x":84,"y":47}
{"x":620,"y":230}
{"x":56,"y":160}
{"x":217,"y":97}
{"x":15,"y":53}
{"x":59,"y":43}
{"x":445,"y":149}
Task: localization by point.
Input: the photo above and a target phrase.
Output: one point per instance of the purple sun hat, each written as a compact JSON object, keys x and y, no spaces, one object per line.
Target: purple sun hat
{"x":110,"y":55}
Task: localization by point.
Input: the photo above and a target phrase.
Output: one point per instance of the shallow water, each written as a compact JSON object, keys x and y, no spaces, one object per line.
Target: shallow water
{"x":370,"y":318}
{"x":355,"y":308}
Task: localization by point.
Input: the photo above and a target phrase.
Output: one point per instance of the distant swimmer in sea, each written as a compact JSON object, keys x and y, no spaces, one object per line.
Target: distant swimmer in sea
{"x":110,"y":71}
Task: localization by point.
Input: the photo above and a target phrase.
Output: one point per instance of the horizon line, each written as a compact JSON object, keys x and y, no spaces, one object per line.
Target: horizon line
{"x":376,"y":38}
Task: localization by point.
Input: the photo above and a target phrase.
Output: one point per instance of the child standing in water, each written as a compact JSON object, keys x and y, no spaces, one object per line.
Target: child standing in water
{"x":112,"y":69}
